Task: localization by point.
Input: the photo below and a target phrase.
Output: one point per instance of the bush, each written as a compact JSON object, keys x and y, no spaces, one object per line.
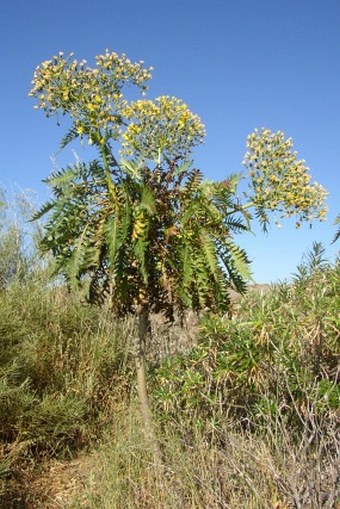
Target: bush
{"x":280,"y":352}
{"x":63,"y":377}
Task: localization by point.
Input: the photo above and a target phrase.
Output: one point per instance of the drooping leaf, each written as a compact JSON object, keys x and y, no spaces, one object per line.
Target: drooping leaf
{"x":73,"y":266}
{"x":209,"y":250}
{"x":240,"y":259}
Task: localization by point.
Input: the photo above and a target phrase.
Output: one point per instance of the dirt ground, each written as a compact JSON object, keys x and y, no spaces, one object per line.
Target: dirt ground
{"x":52,"y":487}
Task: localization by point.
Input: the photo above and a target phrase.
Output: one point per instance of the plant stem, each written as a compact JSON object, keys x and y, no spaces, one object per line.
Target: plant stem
{"x":143,"y":329}
{"x":109,"y":180}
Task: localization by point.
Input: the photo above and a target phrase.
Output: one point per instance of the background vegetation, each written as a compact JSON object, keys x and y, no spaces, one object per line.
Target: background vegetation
{"x":247,"y":410}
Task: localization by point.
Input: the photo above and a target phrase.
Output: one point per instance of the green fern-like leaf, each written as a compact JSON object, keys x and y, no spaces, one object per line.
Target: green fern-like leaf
{"x":71,"y":135}
{"x":236,"y":224}
{"x":148,"y":200}
{"x":202,"y":281}
{"x":140,"y":251}
{"x":190,"y":211}
{"x":43,"y":210}
{"x":193,"y":181}
{"x":111,"y":231}
{"x":209,"y":250}
{"x":240,"y":260}
{"x":62,"y":178}
{"x":186,"y":271}
{"x":183,"y":168}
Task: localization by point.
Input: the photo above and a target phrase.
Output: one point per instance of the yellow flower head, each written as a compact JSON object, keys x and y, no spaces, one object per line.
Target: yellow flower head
{"x":280,"y":181}
{"x":163,"y":126}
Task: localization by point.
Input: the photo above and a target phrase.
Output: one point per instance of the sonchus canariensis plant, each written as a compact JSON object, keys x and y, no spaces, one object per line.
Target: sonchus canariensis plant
{"x":138,"y":224}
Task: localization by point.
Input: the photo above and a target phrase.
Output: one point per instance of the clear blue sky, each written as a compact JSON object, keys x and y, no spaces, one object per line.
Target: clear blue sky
{"x":239,"y":64}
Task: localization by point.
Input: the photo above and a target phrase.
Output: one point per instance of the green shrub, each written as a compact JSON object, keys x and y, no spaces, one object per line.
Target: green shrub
{"x":280,"y":352}
{"x":62,"y":369}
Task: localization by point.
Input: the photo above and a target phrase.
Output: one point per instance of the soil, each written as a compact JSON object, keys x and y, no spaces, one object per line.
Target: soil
{"x":52,"y":487}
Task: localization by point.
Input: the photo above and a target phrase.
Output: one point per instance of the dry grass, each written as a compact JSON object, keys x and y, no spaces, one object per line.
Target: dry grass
{"x":238,"y":468}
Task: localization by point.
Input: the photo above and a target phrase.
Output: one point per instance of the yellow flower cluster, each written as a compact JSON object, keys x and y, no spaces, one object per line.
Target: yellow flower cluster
{"x":280,"y":181}
{"x":122,"y":70}
{"x":164,"y":126}
{"x":91,"y":96}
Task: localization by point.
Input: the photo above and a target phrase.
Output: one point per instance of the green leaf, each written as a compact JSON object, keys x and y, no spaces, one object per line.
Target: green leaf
{"x":74,"y":263}
{"x":209,"y":250}
{"x":148,"y":200}
{"x":71,"y":135}
{"x":185,"y":259}
{"x":183,"y":168}
{"x":112,"y":239}
{"x":132,"y":167}
{"x":62,"y":178}
{"x":240,"y":259}
{"x":43,"y":210}
{"x":140,"y":252}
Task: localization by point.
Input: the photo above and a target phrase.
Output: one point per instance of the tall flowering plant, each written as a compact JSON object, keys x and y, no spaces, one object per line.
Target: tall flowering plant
{"x":139,"y":226}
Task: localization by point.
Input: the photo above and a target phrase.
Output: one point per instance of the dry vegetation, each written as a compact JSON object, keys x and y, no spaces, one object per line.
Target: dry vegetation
{"x":247,"y":416}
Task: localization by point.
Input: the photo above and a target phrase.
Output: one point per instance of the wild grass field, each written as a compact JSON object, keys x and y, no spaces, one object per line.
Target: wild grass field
{"x":246,"y":407}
